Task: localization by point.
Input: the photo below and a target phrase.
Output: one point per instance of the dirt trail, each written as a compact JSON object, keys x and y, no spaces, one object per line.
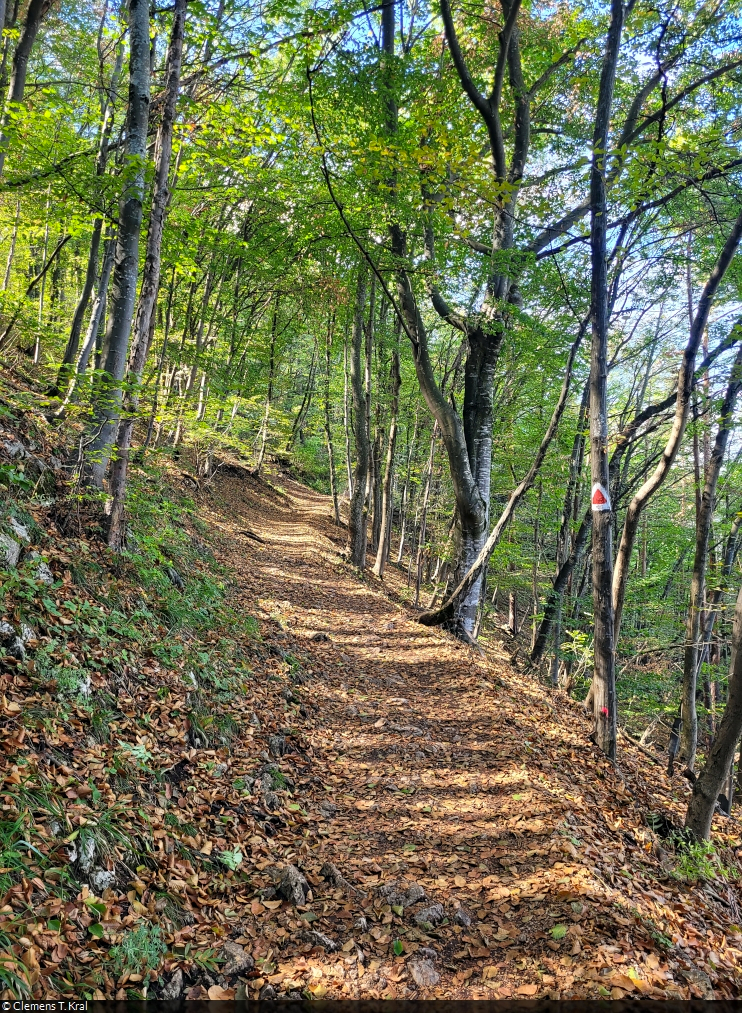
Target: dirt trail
{"x":430,"y":765}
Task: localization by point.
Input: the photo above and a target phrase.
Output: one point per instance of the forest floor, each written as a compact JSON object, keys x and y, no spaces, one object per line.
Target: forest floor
{"x":303,"y":792}
{"x":439,"y":772}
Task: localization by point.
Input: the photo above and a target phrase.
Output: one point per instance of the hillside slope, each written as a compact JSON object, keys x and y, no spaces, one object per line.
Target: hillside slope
{"x":287,"y":786}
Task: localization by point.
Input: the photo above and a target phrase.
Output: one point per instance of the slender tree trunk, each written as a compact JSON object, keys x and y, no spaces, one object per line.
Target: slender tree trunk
{"x":689,"y":735}
{"x":328,"y":420}
{"x":604,"y":670}
{"x":387,"y":504}
{"x":42,"y":292}
{"x":347,"y":420}
{"x":297,"y":428}
{"x":35,"y":14}
{"x":368,"y":373}
{"x":422,"y":535}
{"x":710,"y":781}
{"x":404,"y":502}
{"x":358,"y":517}
{"x":269,"y":395}
{"x":66,"y":368}
{"x":144,"y":323}
{"x":375,"y":491}
{"x":126,"y":260}
{"x":11,"y":251}
{"x":160,"y":364}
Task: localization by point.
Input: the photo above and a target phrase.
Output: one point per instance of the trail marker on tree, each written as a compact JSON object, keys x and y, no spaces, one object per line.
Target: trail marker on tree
{"x":599,"y":499}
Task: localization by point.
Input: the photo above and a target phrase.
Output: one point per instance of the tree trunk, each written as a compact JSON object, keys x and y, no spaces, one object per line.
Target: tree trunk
{"x":710,"y":781}
{"x":387,"y":504}
{"x":604,"y":670}
{"x":559,"y":584}
{"x":35,"y":14}
{"x":472,"y":578}
{"x":689,"y":736}
{"x":358,"y":517}
{"x":347,"y":420}
{"x":66,"y":368}
{"x":144,"y":323}
{"x":404,"y":502}
{"x":11,"y":250}
{"x":328,"y":421}
{"x":126,"y":260}
{"x":269,"y":395}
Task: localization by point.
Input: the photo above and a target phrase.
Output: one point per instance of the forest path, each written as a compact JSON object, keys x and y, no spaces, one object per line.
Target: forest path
{"x":427,"y":764}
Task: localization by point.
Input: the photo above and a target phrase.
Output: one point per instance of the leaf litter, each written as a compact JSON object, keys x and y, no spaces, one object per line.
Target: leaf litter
{"x":342,"y":804}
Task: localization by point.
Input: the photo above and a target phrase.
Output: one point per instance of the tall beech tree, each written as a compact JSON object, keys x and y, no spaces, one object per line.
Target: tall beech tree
{"x":144,"y":320}
{"x":126,"y":257}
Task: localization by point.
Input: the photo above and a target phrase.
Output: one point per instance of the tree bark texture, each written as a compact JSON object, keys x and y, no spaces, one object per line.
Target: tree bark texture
{"x":387,"y":504}
{"x":126,"y":258}
{"x":604,"y":662}
{"x":358,"y":517}
{"x":144,"y":323}
{"x":689,"y":734}
{"x":709,"y":783}
{"x":35,"y":14}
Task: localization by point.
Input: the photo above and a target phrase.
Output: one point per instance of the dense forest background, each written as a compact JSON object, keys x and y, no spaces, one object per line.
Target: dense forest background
{"x":365,"y":243}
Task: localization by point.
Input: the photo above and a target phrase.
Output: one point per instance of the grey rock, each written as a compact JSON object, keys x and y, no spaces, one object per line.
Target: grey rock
{"x":14,"y":448}
{"x":277,"y":744}
{"x":82,"y":854}
{"x":333,"y":875}
{"x":294,"y":996}
{"x":43,"y":574}
{"x":462,"y":917}
{"x":267,"y":992}
{"x":174,"y":988}
{"x":191,"y":679}
{"x":293,"y":886}
{"x":175,"y":578}
{"x":361,"y":925}
{"x":320,"y":939}
{"x":271,"y":801}
{"x":402,"y":894}
{"x":255,"y":721}
{"x":415,"y":892}
{"x":424,"y":973}
{"x":220,"y":769}
{"x":54,"y":463}
{"x":27,"y":633}
{"x":328,"y":809}
{"x":432,"y":915}
{"x":694,"y":976}
{"x":238,"y":961}
{"x":427,"y":951}
{"x":20,"y":530}
{"x":10,"y":550}
{"x":11,"y":643}
{"x":101,"y":880}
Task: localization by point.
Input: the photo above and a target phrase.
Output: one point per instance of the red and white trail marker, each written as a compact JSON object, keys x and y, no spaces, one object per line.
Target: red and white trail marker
{"x":600,"y":500}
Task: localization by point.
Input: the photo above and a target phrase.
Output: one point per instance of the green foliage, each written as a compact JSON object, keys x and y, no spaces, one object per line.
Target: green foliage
{"x":699,"y":860}
{"x":140,"y":950}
